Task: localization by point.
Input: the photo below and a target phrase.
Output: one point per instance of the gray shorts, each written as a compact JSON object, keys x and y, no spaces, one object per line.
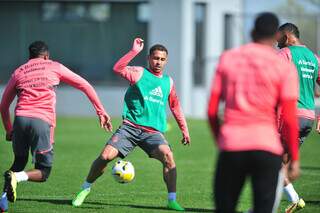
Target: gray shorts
{"x":33,"y":134}
{"x":127,"y":137}
{"x":305,"y":127}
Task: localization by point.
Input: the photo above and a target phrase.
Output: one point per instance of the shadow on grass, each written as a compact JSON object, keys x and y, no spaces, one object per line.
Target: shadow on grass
{"x":68,"y":202}
{"x":54,"y":201}
{"x":313,"y":202}
{"x":159,"y":208}
{"x":316,"y":168}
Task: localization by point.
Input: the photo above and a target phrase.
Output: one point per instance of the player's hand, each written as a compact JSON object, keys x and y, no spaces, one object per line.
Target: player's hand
{"x":318,"y":126}
{"x":186,"y":140}
{"x":137,"y":45}
{"x":105,"y":122}
{"x":293,"y":170}
{"x":9,"y":136}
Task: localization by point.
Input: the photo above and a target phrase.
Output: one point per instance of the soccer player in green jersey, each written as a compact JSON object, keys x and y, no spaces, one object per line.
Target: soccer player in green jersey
{"x":307,"y":65}
{"x":144,"y":119}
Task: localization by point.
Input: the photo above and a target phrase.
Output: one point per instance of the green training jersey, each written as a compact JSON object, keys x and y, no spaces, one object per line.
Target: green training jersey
{"x":307,"y":67}
{"x":145,"y":102}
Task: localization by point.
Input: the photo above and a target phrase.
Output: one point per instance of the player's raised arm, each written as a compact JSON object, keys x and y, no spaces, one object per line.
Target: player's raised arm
{"x":7,"y":98}
{"x":176,"y":110}
{"x":80,"y":83}
{"x":130,"y":73}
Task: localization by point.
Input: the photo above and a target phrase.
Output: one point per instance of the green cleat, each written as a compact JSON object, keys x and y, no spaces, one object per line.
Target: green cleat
{"x":10,"y":185}
{"x":174,"y":205}
{"x":81,"y":196}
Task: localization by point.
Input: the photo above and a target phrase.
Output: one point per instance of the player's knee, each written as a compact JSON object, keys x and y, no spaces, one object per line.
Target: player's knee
{"x":45,"y":172}
{"x":169,"y":160}
{"x":109,"y":153}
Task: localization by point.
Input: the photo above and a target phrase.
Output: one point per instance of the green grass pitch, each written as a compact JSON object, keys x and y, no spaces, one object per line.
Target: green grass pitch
{"x":80,"y":140}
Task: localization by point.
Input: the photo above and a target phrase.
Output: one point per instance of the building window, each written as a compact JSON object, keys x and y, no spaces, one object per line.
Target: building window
{"x":51,"y":11}
{"x":199,"y":60}
{"x":143,"y":12}
{"x":79,"y":11}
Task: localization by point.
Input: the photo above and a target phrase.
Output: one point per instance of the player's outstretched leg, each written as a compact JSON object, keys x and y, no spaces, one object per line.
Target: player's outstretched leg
{"x":297,"y":203}
{"x":10,"y":185}
{"x":165,"y":155}
{"x":97,"y":169}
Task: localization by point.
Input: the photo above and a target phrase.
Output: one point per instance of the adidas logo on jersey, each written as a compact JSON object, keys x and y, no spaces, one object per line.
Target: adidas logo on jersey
{"x":157,"y":92}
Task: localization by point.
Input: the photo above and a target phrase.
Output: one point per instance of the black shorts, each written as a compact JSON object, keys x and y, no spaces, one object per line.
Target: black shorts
{"x":264,"y":170}
{"x":35,"y":135}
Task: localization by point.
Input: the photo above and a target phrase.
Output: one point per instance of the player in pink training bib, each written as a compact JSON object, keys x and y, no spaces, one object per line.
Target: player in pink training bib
{"x":34,"y":83}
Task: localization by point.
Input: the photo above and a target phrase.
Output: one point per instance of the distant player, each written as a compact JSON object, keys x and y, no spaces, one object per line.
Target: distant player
{"x":253,"y":81}
{"x":144,"y":119}
{"x":307,"y":66}
{"x":34,"y":83}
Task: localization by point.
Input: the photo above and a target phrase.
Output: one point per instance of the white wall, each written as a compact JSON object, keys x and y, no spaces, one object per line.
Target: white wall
{"x":171,"y":24}
{"x":216,"y":11}
{"x":72,"y":102}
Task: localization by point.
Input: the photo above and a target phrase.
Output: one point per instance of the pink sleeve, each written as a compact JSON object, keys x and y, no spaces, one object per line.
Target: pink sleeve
{"x":176,"y":110}
{"x":78,"y":82}
{"x":7,"y":98}
{"x":217,"y":81}
{"x":213,"y":105}
{"x":289,"y":88}
{"x":285,"y":54}
{"x":132,"y":74}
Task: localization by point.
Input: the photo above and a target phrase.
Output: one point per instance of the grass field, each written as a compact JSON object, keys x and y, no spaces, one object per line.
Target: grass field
{"x":78,"y":142}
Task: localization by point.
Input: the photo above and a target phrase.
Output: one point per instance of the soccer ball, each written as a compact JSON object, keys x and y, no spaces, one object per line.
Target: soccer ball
{"x":123,"y":171}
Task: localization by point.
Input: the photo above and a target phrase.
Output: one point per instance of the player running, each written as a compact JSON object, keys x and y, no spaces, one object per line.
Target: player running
{"x":307,"y":66}
{"x":34,"y":83}
{"x":253,"y":81}
{"x":144,"y":119}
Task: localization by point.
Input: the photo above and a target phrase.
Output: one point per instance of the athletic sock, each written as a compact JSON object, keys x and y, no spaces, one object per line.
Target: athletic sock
{"x":172,"y":196}
{"x":86,"y":185}
{"x":4,"y":194}
{"x":21,"y":176}
{"x":291,"y":193}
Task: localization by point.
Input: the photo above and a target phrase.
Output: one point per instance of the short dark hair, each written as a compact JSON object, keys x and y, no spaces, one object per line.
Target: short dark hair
{"x":291,"y":28}
{"x":37,"y":48}
{"x":265,"y":26}
{"x":159,"y":47}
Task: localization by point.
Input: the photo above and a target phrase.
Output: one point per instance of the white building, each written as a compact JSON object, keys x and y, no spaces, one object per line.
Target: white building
{"x":195,"y":33}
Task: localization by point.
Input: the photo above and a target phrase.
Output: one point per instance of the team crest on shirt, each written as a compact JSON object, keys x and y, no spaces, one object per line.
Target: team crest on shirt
{"x":157,"y":92}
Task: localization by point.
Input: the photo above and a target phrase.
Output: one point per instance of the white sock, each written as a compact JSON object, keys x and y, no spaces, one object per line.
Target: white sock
{"x":4,"y":194}
{"x":21,"y":176}
{"x":86,"y":185}
{"x":291,"y":193}
{"x":172,"y":196}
